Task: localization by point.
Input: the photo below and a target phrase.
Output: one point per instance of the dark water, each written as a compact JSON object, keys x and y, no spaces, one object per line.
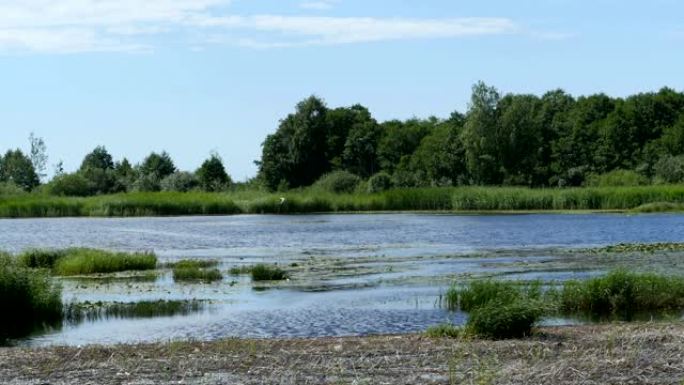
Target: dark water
{"x":370,"y":273}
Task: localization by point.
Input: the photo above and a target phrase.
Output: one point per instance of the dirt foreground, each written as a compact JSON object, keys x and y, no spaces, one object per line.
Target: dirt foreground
{"x":647,"y":353}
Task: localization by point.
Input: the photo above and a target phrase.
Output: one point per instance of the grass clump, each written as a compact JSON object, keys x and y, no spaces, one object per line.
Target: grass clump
{"x":444,"y":331}
{"x":79,"y":312}
{"x":92,"y":261}
{"x":240,"y":270}
{"x":480,"y":293}
{"x":268,"y":273}
{"x":192,"y":263}
{"x":623,"y":293}
{"x":196,"y":274}
{"x":497,"y":320}
{"x":41,"y":258}
{"x":29,"y":299}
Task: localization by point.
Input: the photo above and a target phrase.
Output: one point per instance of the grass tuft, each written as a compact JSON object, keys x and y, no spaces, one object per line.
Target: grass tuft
{"x":268,"y":273}
{"x":496,"y":320}
{"x":444,"y":331}
{"x":195,"y":274}
{"x":91,"y":261}
{"x":192,"y":263}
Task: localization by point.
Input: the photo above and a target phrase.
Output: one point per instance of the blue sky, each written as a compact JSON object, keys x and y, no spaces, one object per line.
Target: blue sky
{"x":195,"y":76}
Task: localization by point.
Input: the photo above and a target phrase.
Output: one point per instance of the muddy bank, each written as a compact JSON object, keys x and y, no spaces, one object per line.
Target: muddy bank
{"x":647,"y":353}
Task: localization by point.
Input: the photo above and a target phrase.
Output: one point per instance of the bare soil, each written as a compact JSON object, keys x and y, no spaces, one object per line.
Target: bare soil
{"x":645,"y":353}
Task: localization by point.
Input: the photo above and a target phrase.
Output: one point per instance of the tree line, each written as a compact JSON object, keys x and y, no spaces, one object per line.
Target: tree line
{"x":555,"y":140}
{"x":100,"y":174}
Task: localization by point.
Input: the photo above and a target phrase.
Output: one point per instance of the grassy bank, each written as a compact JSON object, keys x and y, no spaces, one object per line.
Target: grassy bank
{"x":477,"y":199}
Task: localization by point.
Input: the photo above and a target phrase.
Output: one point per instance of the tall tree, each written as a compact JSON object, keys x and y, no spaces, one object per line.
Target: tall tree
{"x":18,"y":169}
{"x":38,"y":155}
{"x":158,"y":165}
{"x":480,"y":136}
{"x":212,"y":174}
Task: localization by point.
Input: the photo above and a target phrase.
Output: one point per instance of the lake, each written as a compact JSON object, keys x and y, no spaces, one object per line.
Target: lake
{"x":351,"y":274}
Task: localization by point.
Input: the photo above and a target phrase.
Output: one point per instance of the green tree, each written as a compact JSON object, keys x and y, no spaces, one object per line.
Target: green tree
{"x":38,"y":155}
{"x":18,"y":169}
{"x":401,"y":139}
{"x":158,"y":166}
{"x":360,"y":149}
{"x":480,"y":139}
{"x":97,"y":168}
{"x":212,"y":175}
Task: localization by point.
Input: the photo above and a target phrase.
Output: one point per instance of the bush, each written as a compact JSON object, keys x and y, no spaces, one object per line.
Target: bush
{"x":617,"y":178}
{"x":268,"y":273}
{"x":70,"y":185}
{"x":180,"y":181}
{"x":28,"y":299}
{"x":670,"y":169}
{"x":379,"y":182}
{"x":10,"y":188}
{"x":338,"y":182}
{"x":497,"y":320}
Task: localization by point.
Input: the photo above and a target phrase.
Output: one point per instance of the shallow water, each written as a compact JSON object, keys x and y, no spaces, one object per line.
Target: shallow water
{"x":355,"y":274}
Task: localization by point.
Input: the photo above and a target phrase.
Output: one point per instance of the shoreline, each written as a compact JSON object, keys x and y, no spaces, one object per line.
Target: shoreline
{"x":645,"y":353}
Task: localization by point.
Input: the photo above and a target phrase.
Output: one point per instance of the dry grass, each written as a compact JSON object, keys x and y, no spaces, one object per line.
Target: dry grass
{"x":650,"y":353}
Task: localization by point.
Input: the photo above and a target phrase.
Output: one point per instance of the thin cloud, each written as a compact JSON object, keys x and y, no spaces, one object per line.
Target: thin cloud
{"x":322,"y":5}
{"x":69,"y":26}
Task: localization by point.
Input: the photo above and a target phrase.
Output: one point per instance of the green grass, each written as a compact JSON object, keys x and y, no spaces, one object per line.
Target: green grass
{"x":28,"y":299}
{"x":41,"y":258}
{"x":310,"y":200}
{"x":499,"y":320}
{"x":92,"y":261}
{"x":192,"y":263}
{"x":481,"y":292}
{"x":240,"y":270}
{"x":623,"y":293}
{"x":78,"y":312}
{"x":444,"y":331}
{"x":268,"y":273}
{"x":196,"y":274}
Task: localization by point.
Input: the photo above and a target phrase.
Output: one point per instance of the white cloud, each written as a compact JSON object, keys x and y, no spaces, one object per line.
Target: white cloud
{"x":342,"y":30}
{"x":105,"y":25}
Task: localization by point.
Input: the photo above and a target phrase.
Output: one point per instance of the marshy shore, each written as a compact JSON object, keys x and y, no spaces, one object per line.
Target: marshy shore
{"x":634,"y":353}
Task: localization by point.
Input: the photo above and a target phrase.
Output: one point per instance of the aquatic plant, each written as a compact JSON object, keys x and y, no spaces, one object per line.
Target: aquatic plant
{"x":78,"y":312}
{"x":498,"y":320}
{"x":92,"y":261}
{"x":240,"y":270}
{"x":481,"y":292}
{"x":192,"y":263}
{"x":263,"y":272}
{"x":623,"y":292}
{"x":190,"y":274}
{"x":41,"y":258}
{"x":29,"y":299}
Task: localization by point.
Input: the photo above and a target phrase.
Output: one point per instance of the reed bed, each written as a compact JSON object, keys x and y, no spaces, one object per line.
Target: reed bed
{"x":87,"y":311}
{"x":92,"y":261}
{"x":268,"y":273}
{"x":310,"y":200}
{"x":28,"y":299}
{"x":196,"y":274}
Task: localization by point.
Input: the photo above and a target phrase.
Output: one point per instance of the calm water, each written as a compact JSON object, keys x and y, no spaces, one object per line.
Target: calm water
{"x":369,"y":273}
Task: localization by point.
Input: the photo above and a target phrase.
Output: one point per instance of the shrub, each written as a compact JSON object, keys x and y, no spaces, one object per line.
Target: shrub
{"x":497,"y":320}
{"x":180,"y":181}
{"x":70,"y":185}
{"x":268,"y":273}
{"x":670,"y":169}
{"x":196,"y":274}
{"x":10,"y":188}
{"x":379,"y":182}
{"x":338,"y":182}
{"x":91,"y":261}
{"x":28,"y":298}
{"x":617,"y":178}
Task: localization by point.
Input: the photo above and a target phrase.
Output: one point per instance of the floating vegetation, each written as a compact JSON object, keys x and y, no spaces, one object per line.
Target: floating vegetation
{"x":263,"y":272}
{"x":196,"y":274}
{"x":88,"y":311}
{"x":641,"y":247}
{"x":28,"y":299}
{"x":92,"y":261}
